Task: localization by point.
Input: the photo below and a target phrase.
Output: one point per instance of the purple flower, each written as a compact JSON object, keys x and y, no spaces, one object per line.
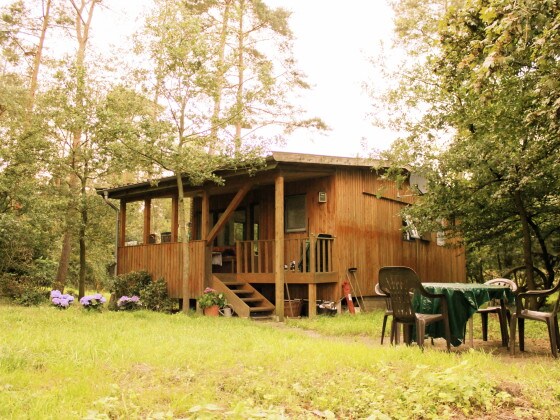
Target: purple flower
{"x":61,"y":301}
{"x":93,"y":301}
{"x":128,"y":303}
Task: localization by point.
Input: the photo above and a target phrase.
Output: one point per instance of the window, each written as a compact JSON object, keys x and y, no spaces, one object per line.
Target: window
{"x":234,"y":230}
{"x":409,"y":230}
{"x":295,"y":216}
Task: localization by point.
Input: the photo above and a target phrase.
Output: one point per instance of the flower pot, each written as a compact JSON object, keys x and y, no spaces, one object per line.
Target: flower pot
{"x":213,"y":310}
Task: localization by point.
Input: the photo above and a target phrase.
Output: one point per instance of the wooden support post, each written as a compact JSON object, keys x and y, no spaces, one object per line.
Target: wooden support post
{"x":279,"y":245}
{"x":205,"y":229}
{"x":122,"y":223}
{"x":121,"y":235}
{"x":312,"y":295}
{"x":313,"y":253}
{"x":147,"y":219}
{"x":175,"y":219}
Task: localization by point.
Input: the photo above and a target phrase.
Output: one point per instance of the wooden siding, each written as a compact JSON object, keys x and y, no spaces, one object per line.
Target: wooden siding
{"x":196,"y":284}
{"x":165,"y":260}
{"x":362,"y":213}
{"x":369,"y":234}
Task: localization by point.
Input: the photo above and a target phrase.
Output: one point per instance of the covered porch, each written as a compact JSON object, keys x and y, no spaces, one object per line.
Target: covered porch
{"x":269,"y":257}
{"x":310,"y":265}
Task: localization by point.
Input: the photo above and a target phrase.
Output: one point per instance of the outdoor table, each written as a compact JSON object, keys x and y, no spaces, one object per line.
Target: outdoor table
{"x":463,"y":299}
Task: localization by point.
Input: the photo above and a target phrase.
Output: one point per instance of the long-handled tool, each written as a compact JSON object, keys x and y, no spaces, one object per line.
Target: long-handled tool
{"x":351,"y":274}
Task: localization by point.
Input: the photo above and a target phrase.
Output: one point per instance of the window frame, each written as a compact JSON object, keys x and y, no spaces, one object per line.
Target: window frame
{"x":289,"y":202}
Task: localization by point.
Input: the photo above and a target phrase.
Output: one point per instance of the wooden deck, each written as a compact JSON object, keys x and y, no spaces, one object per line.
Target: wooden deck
{"x":311,"y":261}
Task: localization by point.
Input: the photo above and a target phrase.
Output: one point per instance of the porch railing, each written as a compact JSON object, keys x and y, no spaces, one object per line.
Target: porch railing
{"x":306,"y":255}
{"x":255,"y":256}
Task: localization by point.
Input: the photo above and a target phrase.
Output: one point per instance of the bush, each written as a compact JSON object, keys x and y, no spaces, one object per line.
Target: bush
{"x":130,"y":284}
{"x":22,"y":290}
{"x":31,"y":297}
{"x":155,"y":298}
{"x":10,"y":286}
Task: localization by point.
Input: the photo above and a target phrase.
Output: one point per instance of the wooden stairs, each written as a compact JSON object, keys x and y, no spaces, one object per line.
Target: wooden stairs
{"x":245,"y":300}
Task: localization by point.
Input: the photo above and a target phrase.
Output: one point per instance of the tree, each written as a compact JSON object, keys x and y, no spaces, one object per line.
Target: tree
{"x":486,"y":84}
{"x":207,"y":76}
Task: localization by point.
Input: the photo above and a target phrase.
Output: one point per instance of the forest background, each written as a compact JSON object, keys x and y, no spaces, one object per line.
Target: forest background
{"x":209,"y":84}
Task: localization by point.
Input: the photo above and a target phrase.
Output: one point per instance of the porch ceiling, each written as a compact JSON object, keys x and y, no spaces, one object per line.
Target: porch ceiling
{"x":167,"y":187}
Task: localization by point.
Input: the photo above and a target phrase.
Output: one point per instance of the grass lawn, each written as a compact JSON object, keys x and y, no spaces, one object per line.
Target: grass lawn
{"x":78,"y":364}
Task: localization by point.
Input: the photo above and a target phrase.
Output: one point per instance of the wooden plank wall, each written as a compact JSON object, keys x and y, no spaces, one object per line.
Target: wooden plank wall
{"x":367,"y":229}
{"x":320,"y":219}
{"x":164,"y":260}
{"x":196,"y":285}
{"x":369,"y":233}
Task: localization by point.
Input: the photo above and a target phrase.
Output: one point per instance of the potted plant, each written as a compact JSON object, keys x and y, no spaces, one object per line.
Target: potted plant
{"x":211,"y":302}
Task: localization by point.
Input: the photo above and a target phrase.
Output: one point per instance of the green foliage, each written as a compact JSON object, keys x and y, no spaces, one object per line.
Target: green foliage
{"x":153,"y":294}
{"x":478,"y":104}
{"x":155,"y":297}
{"x":130,"y":284}
{"x":285,"y":373}
{"x":23,"y":290}
{"x":31,"y":296}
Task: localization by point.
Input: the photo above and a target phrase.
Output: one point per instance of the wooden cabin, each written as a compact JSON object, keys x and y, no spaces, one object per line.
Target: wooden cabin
{"x":292,"y":229}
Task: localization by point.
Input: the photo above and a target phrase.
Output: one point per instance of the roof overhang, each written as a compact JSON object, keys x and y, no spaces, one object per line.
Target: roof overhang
{"x":292,"y":166}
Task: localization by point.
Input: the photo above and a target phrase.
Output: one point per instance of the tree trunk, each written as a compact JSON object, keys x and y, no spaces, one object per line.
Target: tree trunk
{"x":545,"y":255}
{"x":82,"y":238}
{"x":82,"y":34}
{"x":220,"y":76}
{"x":241,"y":76}
{"x":184,"y":240}
{"x":38,"y":56}
{"x":64,"y":261}
{"x":527,"y":247}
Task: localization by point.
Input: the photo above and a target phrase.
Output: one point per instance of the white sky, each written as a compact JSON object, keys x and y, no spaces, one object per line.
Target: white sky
{"x":334,"y":41}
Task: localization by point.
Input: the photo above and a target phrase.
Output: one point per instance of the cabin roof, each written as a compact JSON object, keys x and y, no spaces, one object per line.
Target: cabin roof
{"x":293,"y":166}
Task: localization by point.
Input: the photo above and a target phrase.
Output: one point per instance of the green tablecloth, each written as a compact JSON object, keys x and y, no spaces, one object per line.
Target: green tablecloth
{"x":464,"y":299}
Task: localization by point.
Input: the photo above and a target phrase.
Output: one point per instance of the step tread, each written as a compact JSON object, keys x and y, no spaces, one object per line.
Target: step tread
{"x":262,"y":317}
{"x":252,"y":299}
{"x":242,"y":292}
{"x":261,"y":308}
{"x":234,"y":283}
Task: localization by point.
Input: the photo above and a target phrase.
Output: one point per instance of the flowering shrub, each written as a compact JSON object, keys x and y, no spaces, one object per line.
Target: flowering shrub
{"x":93,"y":301}
{"x":126,"y":303}
{"x":210,"y":298}
{"x":61,"y":301}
